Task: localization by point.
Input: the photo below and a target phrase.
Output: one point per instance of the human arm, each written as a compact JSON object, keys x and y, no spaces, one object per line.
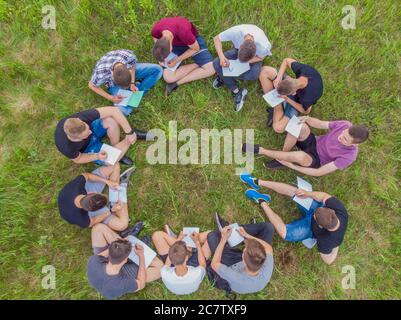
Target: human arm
{"x":104,"y":94}
{"x":201,"y":257}
{"x":315,"y":172}
{"x":90,"y":157}
{"x":216,"y":261}
{"x":118,"y":116}
{"x":219,"y":49}
{"x":316,"y":195}
{"x":284,"y":65}
{"x":96,"y":178}
{"x":133,"y":86}
{"x":329,"y":258}
{"x":246,"y":235}
{"x":314,"y":122}
{"x":141,"y":277}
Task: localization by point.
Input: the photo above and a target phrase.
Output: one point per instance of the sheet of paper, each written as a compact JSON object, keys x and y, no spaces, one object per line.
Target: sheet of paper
{"x":305,"y":185}
{"x":235,"y":238}
{"x":236,"y":68}
{"x":119,"y":194}
{"x":294,"y":127}
{"x":135,"y":99}
{"x":170,"y":57}
{"x":309,"y":243}
{"x":149,"y":253}
{"x":112,"y":153}
{"x":187,"y":239}
{"x":272,"y":98}
{"x":126,"y":94}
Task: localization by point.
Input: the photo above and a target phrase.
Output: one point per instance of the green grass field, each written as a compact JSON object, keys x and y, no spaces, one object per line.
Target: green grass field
{"x":44,"y":76}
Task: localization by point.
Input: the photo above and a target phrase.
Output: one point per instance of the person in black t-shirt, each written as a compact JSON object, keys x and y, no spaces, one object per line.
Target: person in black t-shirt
{"x":79,"y":136}
{"x":324,"y":223}
{"x":299,"y":93}
{"x":82,"y":203}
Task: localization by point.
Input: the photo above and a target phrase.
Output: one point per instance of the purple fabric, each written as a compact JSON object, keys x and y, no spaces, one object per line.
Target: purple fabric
{"x":330,"y":149}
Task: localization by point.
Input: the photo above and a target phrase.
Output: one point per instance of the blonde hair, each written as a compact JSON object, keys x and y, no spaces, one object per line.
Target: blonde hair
{"x":74,"y":127}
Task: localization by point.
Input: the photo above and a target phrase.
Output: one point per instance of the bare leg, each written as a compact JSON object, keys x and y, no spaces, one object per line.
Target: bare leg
{"x":205,"y":71}
{"x":153,"y":271}
{"x":102,"y":235}
{"x":113,"y":130}
{"x":181,"y":72}
{"x":123,"y":146}
{"x":290,"y":140}
{"x":267,"y":74}
{"x":275,"y":220}
{"x":162,"y":242}
{"x":120,"y":220}
{"x":205,"y":248}
{"x":279,"y":187}
{"x":299,"y":157}
{"x":111,"y":172}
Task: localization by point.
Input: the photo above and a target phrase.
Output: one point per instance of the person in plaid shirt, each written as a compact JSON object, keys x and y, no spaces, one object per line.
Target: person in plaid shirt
{"x":119,"y":69}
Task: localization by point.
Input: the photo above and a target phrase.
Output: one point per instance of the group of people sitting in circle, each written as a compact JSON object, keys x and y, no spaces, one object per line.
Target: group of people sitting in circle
{"x":244,"y":269}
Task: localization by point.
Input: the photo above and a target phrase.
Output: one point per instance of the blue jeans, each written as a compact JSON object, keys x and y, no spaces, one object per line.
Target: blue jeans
{"x":148,"y":74}
{"x":202,"y":57}
{"x":301,"y":229}
{"x":95,"y":142}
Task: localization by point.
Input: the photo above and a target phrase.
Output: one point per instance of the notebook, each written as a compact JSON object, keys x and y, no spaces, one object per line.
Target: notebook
{"x":112,"y":153}
{"x":187,"y":239}
{"x":235,"y":238}
{"x":273,"y":98}
{"x":294,"y":126}
{"x":170,"y":57}
{"x":119,"y":194}
{"x":149,"y":253}
{"x":131,"y":99}
{"x":305,"y":185}
{"x":236,"y":68}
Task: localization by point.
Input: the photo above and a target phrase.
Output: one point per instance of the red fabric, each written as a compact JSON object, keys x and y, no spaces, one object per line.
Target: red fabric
{"x":183,"y":30}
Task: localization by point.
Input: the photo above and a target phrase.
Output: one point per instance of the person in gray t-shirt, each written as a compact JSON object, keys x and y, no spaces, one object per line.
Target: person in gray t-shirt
{"x":246,"y":271}
{"x":109,"y":270}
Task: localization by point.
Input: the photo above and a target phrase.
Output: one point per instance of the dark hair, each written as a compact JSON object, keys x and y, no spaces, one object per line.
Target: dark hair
{"x":247,"y":50}
{"x":326,"y":218}
{"x":178,"y":253}
{"x":121,"y":76}
{"x":359,"y":133}
{"x":93,"y":201}
{"x":254,"y":254}
{"x":285,"y":87}
{"x":119,"y":250}
{"x":161,"y":49}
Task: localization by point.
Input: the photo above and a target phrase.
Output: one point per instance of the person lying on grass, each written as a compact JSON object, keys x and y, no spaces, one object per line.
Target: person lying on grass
{"x":79,"y":136}
{"x":326,"y":220}
{"x":119,"y":69}
{"x":184,"y":267}
{"x":299,"y":93}
{"x":82,"y":203}
{"x":179,"y":36}
{"x":243,"y":271}
{"x":110,"y":271}
{"x":317,"y":156}
{"x":250,"y":45}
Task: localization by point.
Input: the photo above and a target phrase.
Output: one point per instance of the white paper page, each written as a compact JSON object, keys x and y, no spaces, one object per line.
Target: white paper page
{"x":272,"y":98}
{"x":112,"y":153}
{"x":236,"y":68}
{"x":170,"y":57}
{"x":126,"y":94}
{"x":235,"y":237}
{"x":305,"y":185}
{"x":187,"y":239}
{"x":149,"y":253}
{"x":119,"y":194}
{"x":294,"y":127}
{"x":309,"y":243}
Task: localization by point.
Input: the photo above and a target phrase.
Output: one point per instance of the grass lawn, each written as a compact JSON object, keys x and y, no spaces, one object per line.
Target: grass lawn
{"x":44,"y":76}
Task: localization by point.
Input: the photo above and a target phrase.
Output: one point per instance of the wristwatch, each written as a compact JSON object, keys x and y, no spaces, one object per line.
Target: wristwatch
{"x":131,"y":132}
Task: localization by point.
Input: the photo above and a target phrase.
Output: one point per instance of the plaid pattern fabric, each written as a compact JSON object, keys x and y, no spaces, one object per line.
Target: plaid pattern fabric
{"x":103,"y":72}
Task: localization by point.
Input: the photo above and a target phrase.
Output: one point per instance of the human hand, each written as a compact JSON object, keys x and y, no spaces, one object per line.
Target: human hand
{"x":134,"y":88}
{"x":226,"y":233}
{"x":131,"y":138}
{"x":224,"y":62}
{"x":138,"y":249}
{"x":102,"y":155}
{"x":116,"y":99}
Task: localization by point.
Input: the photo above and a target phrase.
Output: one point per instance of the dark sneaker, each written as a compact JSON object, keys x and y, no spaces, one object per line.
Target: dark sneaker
{"x":170,"y":87}
{"x":147,"y":240}
{"x":125,"y":176}
{"x":273,"y":164}
{"x":254,"y":220}
{"x":221,"y":223}
{"x":127,"y":161}
{"x":248,"y":147}
{"x":134,"y":231}
{"x":269,"y":122}
{"x":239,"y":99}
{"x":217,"y":83}
{"x":170,"y":231}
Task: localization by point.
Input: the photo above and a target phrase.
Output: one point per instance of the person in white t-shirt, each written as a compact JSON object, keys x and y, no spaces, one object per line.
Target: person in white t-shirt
{"x":182,"y":272}
{"x":250,"y":45}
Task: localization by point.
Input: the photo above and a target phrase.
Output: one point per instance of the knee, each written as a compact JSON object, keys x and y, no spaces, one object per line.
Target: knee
{"x":279,"y":128}
{"x":99,"y":228}
{"x":109,"y":123}
{"x":168,"y":76}
{"x":304,"y":132}
{"x":157,"y":235}
{"x":267,"y":72}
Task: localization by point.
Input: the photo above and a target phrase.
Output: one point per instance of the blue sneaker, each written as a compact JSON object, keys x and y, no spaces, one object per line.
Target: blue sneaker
{"x":247,"y":178}
{"x":256,"y":196}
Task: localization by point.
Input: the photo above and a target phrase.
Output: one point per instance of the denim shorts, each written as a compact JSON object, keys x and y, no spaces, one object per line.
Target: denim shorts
{"x":202,"y":57}
{"x":289,"y":110}
{"x":95,"y":143}
{"x":301,"y":229}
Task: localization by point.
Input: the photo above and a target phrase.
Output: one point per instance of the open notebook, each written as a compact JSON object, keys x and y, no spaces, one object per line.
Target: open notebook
{"x":131,"y":99}
{"x":305,"y":185}
{"x":119,"y":194}
{"x":149,"y":253}
{"x":112,"y":153}
{"x":187,"y":239}
{"x":235,"y":238}
{"x":273,"y":98}
{"x":294,"y":126}
{"x":170,"y":57}
{"x":236,"y":68}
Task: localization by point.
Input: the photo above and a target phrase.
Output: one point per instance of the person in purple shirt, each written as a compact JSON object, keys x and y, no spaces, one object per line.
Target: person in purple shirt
{"x":316,"y":155}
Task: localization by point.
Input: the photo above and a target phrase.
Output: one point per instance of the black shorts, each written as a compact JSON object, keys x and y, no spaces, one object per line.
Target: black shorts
{"x":309,"y":146}
{"x":192,"y":261}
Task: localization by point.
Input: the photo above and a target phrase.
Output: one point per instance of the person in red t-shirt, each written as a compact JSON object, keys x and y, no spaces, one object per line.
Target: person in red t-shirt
{"x":177,"y":39}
